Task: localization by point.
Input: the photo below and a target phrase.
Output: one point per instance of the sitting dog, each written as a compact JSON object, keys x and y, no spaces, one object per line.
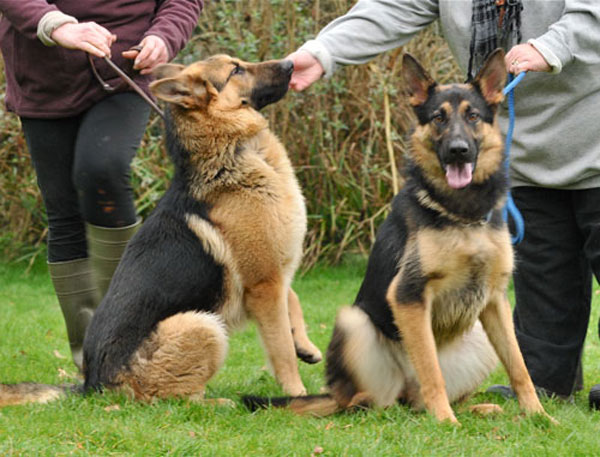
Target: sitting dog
{"x":222,"y":245}
{"x":434,"y":295}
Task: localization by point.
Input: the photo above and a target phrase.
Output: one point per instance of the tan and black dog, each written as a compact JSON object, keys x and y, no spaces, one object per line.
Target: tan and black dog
{"x":223,"y":244}
{"x":434,"y":294}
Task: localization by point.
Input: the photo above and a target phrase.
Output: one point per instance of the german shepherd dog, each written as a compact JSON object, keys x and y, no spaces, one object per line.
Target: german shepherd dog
{"x":223,"y":244}
{"x":434,"y":294}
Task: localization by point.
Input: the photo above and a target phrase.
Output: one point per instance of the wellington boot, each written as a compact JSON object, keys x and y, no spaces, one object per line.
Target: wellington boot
{"x":105,"y":247}
{"x":78,"y":297}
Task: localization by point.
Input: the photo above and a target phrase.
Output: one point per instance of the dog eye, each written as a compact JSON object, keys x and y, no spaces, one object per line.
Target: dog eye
{"x":473,"y":116}
{"x":438,"y":118}
{"x":237,"y":70}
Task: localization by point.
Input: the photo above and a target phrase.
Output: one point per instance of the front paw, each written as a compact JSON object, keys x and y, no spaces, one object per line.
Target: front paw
{"x":309,"y":355}
{"x":295,"y":391}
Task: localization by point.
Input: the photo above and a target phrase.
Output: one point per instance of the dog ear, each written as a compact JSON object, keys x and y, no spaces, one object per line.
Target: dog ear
{"x":182,"y":91}
{"x":167,"y":70}
{"x":417,"y":80}
{"x":491,"y":79}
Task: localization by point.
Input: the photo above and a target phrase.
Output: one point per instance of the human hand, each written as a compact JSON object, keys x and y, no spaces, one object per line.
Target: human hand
{"x":87,"y":36}
{"x":307,"y":70}
{"x":524,"y":57}
{"x":154,"y":53}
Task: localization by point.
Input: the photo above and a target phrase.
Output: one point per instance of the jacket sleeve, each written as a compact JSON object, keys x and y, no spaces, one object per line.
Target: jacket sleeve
{"x":24,"y":15}
{"x":368,"y":29}
{"x":174,"y":22}
{"x":575,"y":36}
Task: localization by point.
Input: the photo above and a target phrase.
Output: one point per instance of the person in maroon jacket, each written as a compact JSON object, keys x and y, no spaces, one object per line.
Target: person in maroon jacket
{"x":82,"y":138}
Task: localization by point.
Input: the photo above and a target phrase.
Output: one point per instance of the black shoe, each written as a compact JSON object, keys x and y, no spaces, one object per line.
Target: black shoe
{"x":508,"y":393}
{"x":595,"y":397}
{"x":505,"y":392}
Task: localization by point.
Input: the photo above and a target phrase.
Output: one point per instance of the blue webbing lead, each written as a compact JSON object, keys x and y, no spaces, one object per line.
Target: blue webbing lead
{"x":510,"y":207}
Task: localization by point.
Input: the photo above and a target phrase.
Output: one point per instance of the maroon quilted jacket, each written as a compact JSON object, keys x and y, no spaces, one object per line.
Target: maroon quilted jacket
{"x":54,"y":82}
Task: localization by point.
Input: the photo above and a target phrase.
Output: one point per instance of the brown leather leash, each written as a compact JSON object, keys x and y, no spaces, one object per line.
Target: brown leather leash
{"x":107,"y":87}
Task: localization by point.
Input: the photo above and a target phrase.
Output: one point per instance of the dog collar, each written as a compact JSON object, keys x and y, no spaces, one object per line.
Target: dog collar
{"x":426,"y":201}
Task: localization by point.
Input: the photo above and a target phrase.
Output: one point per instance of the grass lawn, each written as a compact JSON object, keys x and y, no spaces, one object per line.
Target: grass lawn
{"x":33,"y":347}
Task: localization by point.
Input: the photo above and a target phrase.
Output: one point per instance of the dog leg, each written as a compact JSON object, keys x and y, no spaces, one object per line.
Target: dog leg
{"x":414,"y":322}
{"x":178,"y":359}
{"x":498,"y":324}
{"x":267,"y":302}
{"x":305,"y":349}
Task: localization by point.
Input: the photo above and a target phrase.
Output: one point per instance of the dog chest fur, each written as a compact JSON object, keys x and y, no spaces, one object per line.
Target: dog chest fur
{"x":266,"y":220}
{"x":462,"y":269}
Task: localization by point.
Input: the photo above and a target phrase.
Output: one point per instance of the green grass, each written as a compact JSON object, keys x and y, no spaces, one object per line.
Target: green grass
{"x":33,"y":347}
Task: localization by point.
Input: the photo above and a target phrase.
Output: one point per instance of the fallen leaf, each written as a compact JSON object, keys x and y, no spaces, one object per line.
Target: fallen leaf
{"x":192,"y":434}
{"x":110,"y":408}
{"x":317,"y":450}
{"x":329,"y":426}
{"x":58,"y":355}
{"x":62,"y":374}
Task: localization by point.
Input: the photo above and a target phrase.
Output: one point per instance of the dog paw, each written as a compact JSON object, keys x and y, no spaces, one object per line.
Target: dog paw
{"x":309,"y":354}
{"x":486,"y":409}
{"x":295,"y":391}
{"x":551,"y":419}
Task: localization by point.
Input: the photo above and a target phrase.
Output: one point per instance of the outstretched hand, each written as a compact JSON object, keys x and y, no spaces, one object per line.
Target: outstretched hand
{"x":154,"y":53}
{"x":307,"y":70}
{"x":87,"y":36}
{"x":524,"y":57}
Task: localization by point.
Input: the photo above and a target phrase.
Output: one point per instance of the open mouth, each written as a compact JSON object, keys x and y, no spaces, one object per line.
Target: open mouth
{"x":459,"y":175}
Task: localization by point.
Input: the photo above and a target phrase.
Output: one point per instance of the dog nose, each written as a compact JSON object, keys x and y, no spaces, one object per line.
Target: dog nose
{"x":458,"y":148}
{"x":287,"y":66}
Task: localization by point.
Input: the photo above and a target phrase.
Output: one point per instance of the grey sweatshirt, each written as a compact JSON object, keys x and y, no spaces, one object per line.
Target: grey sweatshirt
{"x":557,"y":133}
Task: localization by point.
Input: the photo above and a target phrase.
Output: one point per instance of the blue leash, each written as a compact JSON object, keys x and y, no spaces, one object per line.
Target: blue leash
{"x":510,"y":208}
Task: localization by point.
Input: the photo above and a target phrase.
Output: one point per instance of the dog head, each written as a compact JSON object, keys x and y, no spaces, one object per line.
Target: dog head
{"x":222,"y":88}
{"x":457,"y":140}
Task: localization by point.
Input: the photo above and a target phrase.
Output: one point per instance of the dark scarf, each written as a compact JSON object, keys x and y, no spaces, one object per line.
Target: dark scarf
{"x":488,"y":34}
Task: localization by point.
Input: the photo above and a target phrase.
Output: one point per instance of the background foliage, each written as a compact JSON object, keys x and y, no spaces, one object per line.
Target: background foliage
{"x":345,"y":135}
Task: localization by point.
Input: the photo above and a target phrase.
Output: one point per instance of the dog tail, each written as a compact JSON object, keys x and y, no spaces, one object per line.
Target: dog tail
{"x":29,"y":392}
{"x":315,"y":405}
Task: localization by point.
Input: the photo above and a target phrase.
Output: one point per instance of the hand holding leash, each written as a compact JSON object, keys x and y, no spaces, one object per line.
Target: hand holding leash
{"x":151,"y":52}
{"x":525,"y":57}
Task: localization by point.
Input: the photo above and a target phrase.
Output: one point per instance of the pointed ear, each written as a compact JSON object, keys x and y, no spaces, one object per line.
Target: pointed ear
{"x":167,"y":70}
{"x":491,"y":79}
{"x":417,"y":81}
{"x":181,"y":91}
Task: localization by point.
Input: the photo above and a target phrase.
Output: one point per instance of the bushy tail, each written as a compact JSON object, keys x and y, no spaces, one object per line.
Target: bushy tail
{"x":315,"y":405}
{"x":29,"y":392}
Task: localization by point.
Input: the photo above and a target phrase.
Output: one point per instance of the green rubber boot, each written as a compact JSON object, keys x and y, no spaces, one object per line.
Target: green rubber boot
{"x":78,"y":297}
{"x":105,"y":247}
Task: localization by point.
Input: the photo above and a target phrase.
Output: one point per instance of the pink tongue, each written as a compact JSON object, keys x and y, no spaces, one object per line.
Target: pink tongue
{"x":459,"y":176}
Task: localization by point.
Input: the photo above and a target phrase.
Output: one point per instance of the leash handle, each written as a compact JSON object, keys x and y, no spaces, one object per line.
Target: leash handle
{"x":107,"y":87}
{"x":513,"y":81}
{"x":510,"y":208}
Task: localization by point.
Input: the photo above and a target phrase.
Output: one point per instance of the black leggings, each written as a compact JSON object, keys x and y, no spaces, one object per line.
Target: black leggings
{"x":83,"y":169}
